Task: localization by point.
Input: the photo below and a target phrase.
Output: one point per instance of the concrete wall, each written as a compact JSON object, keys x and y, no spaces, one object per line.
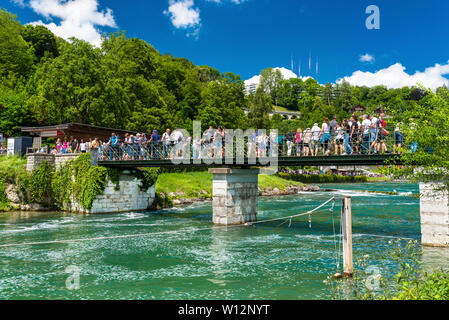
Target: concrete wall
{"x":235,"y":195}
{"x":434,"y":215}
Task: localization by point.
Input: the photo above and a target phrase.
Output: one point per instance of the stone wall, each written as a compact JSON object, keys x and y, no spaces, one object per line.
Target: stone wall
{"x":129,"y":198}
{"x":434,"y":215}
{"x":235,"y":195}
{"x":61,"y":159}
{"x":35,"y":159}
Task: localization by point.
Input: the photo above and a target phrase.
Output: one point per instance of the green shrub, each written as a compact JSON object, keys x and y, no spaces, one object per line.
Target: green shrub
{"x":4,"y":201}
{"x":39,"y":184}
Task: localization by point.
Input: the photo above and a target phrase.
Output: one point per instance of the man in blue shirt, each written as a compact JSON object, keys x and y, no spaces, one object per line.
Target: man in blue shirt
{"x":113,"y":147}
{"x":155,"y":140}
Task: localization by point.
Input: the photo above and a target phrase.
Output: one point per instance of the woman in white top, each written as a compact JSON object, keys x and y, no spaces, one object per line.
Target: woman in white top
{"x":83,"y":147}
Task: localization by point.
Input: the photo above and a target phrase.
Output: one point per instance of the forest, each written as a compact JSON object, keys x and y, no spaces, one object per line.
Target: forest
{"x":127,"y":84}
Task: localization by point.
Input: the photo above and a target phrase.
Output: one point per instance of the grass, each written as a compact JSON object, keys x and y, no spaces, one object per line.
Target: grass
{"x":189,"y":183}
{"x":378,"y":179}
{"x":193,"y":184}
{"x":11,"y":167}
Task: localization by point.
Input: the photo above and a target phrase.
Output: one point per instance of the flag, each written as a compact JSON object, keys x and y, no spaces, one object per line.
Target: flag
{"x":292,"y":63}
{"x":316,"y":65}
{"x":310,"y":60}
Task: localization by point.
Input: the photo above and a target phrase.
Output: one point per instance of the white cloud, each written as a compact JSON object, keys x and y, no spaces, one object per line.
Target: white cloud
{"x":20,"y":3}
{"x":79,"y":18}
{"x":183,"y":15}
{"x":395,"y":77}
{"x":367,"y":58}
{"x":286,"y":74}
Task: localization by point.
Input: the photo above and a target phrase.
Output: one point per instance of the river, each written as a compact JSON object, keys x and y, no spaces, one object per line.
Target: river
{"x":267,"y":261}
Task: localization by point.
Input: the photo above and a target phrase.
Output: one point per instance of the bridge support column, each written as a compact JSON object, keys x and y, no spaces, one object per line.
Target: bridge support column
{"x":434,"y":208}
{"x":235,"y":193}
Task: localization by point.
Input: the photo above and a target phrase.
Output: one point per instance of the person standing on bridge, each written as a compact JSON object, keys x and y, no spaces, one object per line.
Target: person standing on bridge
{"x":365,"y":133}
{"x":155,"y":143}
{"x":315,"y":138}
{"x":347,"y":138}
{"x":339,"y":139}
{"x":354,"y":136}
{"x":398,"y":138}
{"x":325,"y":136}
{"x":307,"y":137}
{"x":290,"y":140}
{"x":113,"y":147}
{"x":374,"y":131}
{"x":298,"y":141}
{"x":333,"y":125}
{"x":381,"y":136}
{"x":166,"y":141}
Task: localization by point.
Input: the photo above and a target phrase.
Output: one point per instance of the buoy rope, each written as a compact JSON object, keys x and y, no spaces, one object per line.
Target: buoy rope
{"x":164,"y":232}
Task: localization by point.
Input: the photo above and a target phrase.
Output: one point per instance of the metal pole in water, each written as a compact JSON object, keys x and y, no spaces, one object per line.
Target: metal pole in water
{"x":346,"y":220}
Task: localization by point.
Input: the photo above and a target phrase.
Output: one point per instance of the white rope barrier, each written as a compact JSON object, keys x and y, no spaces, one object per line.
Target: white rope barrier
{"x":164,"y":232}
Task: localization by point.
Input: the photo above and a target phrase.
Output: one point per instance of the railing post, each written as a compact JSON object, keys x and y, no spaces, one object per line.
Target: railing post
{"x":346,"y":221}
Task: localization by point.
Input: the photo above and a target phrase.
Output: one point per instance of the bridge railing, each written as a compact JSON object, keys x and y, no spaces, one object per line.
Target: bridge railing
{"x":282,"y":145}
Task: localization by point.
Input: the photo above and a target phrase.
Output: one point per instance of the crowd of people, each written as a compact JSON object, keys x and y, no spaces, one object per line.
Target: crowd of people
{"x":351,"y":136}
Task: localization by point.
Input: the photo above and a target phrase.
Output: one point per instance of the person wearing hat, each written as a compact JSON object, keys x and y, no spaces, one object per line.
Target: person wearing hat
{"x":315,"y":138}
{"x":155,"y":144}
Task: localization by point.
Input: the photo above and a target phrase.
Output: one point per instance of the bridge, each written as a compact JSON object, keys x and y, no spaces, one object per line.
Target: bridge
{"x":353,"y":160}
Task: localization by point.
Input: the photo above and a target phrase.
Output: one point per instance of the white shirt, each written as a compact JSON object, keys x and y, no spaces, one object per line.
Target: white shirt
{"x":166,"y":138}
{"x":339,"y":132}
{"x":366,"y":124}
{"x":83,"y":146}
{"x":325,"y":127}
{"x":315,"y":132}
{"x":176,"y":135}
{"x":374,"y":122}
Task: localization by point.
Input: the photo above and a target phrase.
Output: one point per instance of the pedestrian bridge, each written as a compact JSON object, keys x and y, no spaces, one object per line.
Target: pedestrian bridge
{"x":318,"y":161}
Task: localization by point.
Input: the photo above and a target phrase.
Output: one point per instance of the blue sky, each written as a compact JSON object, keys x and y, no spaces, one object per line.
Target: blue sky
{"x":246,"y":36}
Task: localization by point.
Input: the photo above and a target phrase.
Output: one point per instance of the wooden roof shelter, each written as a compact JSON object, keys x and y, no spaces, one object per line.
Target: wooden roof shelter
{"x":76,"y":130}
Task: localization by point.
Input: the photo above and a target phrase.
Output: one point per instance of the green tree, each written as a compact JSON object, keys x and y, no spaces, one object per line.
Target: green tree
{"x":260,"y":108}
{"x":42,"y":40}
{"x":15,"y":54}
{"x":270,"y":81}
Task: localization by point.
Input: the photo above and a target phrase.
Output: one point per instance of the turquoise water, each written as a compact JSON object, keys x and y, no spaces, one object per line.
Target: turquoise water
{"x":263,"y":262}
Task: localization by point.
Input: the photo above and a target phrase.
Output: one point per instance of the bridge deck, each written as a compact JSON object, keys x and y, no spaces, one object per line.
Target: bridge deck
{"x":358,"y":160}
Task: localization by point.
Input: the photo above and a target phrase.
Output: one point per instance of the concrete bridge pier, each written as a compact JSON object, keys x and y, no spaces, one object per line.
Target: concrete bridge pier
{"x":434,"y":208}
{"x":235,"y":194}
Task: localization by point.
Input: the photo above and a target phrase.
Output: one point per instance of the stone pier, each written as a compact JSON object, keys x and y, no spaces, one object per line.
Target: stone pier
{"x":434,"y":215}
{"x":235,"y":194}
